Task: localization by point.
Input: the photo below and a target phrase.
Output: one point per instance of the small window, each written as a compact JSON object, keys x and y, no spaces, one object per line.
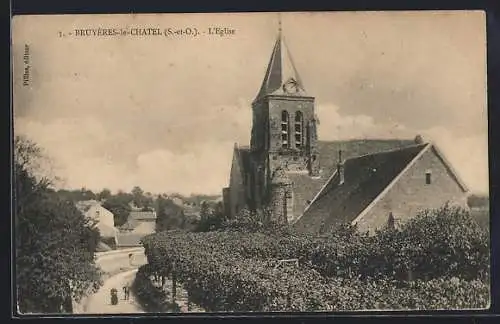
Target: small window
{"x":298,"y":129}
{"x":275,"y":157}
{"x":428,"y":177}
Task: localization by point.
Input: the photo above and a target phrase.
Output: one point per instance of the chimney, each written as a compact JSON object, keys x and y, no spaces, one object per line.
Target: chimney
{"x":340,"y":168}
{"x":419,"y":139}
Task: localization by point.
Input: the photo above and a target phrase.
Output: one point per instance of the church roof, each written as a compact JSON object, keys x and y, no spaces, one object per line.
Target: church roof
{"x":281,"y":70}
{"x":365,"y":178}
{"x":305,"y":187}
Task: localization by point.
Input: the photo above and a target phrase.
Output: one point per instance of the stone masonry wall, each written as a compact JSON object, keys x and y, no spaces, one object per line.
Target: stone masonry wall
{"x":411,"y":194}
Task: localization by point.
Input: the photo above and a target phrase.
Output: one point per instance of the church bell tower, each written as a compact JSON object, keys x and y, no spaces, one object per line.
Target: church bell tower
{"x":284,"y":124}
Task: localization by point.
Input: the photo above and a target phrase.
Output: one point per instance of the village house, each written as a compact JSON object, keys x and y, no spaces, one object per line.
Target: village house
{"x":105,"y":221}
{"x":315,"y":185}
{"x":139,"y":224}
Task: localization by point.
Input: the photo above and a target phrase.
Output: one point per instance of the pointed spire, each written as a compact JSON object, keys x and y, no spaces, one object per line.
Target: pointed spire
{"x":281,"y":76}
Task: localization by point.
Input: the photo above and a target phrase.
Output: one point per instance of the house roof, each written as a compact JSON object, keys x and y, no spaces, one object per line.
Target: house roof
{"x":84,"y":205}
{"x":365,"y":179}
{"x":142,"y":215}
{"x":145,"y":227}
{"x":136,"y":217}
{"x":129,"y":239}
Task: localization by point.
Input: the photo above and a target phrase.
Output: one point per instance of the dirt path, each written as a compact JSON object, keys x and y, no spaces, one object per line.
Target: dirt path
{"x":100,"y":303}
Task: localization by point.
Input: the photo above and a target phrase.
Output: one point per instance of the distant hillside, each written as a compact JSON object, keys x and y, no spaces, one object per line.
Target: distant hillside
{"x":480,"y":209}
{"x":195,"y":199}
{"x":478,"y":201}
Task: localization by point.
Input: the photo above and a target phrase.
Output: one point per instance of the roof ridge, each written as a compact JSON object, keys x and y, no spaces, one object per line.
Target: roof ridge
{"x":387,"y":151}
{"x":368,"y":139}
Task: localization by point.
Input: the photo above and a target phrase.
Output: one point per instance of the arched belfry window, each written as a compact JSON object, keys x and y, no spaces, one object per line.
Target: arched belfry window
{"x":284,"y":129}
{"x":298,"y":129}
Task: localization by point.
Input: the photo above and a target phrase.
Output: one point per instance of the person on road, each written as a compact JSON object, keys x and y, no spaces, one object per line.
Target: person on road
{"x":126,"y":292}
{"x":114,"y":296}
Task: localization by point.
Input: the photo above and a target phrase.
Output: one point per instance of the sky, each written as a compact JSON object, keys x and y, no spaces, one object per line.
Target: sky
{"x":163,"y":113}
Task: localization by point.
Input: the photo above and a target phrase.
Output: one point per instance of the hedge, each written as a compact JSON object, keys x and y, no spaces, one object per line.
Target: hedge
{"x":220,"y":281}
{"x":445,"y":242}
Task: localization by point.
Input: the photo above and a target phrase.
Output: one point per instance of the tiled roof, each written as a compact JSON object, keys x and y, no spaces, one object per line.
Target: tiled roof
{"x":129,"y":239}
{"x":145,"y":227}
{"x":365,"y":178}
{"x":142,"y":215}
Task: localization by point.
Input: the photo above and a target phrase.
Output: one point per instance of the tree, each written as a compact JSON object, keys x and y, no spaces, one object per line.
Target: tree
{"x":211,"y":217}
{"x":168,"y":215}
{"x":138,"y":196}
{"x":104,"y":194}
{"x":119,"y":206}
{"x":55,"y":243}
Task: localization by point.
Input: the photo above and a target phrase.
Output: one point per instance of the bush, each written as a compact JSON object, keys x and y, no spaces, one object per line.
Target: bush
{"x":444,"y":242}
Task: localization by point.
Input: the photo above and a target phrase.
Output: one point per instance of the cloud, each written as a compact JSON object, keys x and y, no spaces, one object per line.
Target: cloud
{"x":334,"y":126}
{"x":87,"y":154}
{"x":120,"y":112}
{"x":467,"y":154}
{"x":204,"y":170}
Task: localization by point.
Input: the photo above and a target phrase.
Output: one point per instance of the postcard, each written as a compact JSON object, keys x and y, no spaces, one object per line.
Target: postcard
{"x":250,"y":162}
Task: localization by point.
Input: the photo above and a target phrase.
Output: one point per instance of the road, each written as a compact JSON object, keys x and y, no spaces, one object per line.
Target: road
{"x":122,"y":266}
{"x":100,"y":303}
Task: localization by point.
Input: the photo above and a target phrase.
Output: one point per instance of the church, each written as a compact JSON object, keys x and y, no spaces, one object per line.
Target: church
{"x":317,"y":185}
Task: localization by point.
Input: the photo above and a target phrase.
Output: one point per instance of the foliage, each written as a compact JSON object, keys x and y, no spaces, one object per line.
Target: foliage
{"x":55,"y":243}
{"x":168,"y":215}
{"x":104,"y":194}
{"x":77,"y":195}
{"x":235,"y":271}
{"x":152,"y":299}
{"x":119,"y":206}
{"x":254,"y":221}
{"x":212,"y":217}
{"x":444,"y":242}
{"x":140,"y":199}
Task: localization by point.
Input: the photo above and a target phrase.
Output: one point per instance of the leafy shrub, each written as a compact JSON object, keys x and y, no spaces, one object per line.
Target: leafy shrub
{"x":444,"y":242}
